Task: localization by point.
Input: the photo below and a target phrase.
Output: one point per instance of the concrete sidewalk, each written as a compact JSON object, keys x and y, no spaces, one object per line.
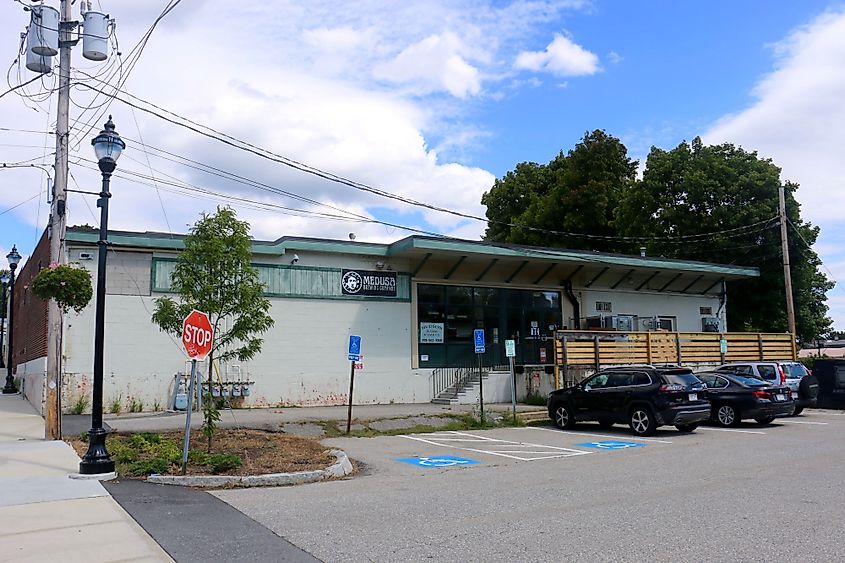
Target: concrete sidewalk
{"x":46,"y":515}
{"x":278,"y":418}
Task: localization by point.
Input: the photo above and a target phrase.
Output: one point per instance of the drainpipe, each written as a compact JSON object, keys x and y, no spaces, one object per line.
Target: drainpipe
{"x":576,"y":307}
{"x":723,"y":301}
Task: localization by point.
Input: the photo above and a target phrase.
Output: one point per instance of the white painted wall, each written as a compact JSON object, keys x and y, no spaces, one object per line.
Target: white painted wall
{"x":33,"y":376}
{"x":684,"y":307}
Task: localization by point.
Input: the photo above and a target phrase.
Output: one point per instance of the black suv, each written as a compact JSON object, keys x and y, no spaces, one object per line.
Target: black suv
{"x":642,"y":397}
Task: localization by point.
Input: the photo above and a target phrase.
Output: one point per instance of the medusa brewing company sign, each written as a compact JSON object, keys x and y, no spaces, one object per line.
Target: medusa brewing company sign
{"x":369,"y":283}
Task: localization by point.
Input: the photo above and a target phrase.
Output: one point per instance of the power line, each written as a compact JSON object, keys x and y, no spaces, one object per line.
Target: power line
{"x":269,"y":155}
{"x":811,"y":249}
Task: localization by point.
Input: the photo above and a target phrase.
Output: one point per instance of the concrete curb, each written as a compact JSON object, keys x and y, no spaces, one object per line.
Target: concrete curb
{"x":339,"y":468}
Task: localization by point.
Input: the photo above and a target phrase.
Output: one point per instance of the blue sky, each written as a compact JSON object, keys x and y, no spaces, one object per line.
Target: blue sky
{"x":434,"y":100}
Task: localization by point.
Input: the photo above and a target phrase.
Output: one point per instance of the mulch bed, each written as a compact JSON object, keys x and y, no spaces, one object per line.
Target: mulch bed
{"x":260,"y":452}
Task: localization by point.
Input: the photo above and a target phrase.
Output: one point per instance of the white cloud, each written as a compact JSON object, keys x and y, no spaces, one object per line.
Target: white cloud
{"x":798,"y":120}
{"x":561,"y":57}
{"x":433,"y":64}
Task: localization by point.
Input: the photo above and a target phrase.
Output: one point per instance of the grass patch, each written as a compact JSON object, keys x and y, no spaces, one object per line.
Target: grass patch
{"x":536,"y":399}
{"x":337,"y":429}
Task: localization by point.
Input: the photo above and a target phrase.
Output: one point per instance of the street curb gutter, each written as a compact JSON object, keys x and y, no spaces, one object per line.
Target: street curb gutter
{"x":339,"y":468}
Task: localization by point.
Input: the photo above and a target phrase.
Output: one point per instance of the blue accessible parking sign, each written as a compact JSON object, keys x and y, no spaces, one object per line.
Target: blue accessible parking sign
{"x":354,"y":348}
{"x":478,"y":335}
{"x":437,"y":461}
{"x":610,"y":445}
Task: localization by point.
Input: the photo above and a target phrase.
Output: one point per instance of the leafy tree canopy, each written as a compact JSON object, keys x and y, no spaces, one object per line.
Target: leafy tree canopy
{"x":692,"y":189}
{"x":575,"y":192}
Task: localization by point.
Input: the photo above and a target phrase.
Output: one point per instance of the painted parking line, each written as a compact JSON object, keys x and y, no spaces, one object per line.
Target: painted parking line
{"x":597,"y":435}
{"x":521,"y":451}
{"x":803,"y":422}
{"x":730,"y":430}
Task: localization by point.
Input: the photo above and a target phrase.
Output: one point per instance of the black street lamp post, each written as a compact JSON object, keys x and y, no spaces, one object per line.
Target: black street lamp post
{"x":4,"y":283}
{"x":14,"y":259}
{"x":107,"y":146}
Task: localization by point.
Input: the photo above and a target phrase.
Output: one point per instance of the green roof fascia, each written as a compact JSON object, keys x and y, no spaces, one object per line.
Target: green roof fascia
{"x":277,"y":248}
{"x":139,"y":240}
{"x":412,"y":243}
{"x":336,"y":247}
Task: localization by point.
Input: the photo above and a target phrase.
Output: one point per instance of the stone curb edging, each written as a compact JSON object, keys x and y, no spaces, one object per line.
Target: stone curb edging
{"x":339,"y":468}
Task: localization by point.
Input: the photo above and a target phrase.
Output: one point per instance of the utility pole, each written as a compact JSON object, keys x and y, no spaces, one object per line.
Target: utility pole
{"x":787,"y":276}
{"x":58,"y":224}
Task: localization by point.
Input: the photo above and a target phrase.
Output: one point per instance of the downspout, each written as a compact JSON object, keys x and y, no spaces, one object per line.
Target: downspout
{"x":723,"y":301}
{"x":576,"y":307}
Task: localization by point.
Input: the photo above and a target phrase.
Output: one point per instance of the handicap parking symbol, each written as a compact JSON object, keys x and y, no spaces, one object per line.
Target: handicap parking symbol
{"x":610,"y":445}
{"x":437,"y":461}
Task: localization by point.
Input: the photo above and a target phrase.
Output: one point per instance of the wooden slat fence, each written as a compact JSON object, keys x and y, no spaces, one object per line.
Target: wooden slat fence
{"x":596,"y":349}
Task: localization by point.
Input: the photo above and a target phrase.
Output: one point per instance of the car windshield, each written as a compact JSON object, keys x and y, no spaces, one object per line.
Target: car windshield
{"x":750,"y":381}
{"x":795,"y":371}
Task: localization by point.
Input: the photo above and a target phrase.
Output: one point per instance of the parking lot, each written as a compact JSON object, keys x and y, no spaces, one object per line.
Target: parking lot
{"x":750,"y":493}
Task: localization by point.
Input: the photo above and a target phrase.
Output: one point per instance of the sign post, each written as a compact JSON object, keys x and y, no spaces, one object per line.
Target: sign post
{"x":197,"y":336}
{"x":354,"y":356}
{"x":478,"y":337}
{"x":510,"y":352}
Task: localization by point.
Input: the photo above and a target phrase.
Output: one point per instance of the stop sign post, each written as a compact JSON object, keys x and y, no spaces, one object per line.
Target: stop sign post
{"x":197,"y":337}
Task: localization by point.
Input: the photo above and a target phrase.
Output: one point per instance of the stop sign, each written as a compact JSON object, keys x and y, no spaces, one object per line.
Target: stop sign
{"x":197,"y":335}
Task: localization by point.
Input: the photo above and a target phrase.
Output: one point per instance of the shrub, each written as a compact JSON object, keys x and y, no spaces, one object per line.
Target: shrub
{"x":218,"y":463}
{"x":149,"y":466}
{"x":69,"y":286}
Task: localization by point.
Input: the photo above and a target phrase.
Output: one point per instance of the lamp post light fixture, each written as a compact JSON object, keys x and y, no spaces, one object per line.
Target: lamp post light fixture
{"x":107,"y":146}
{"x":14,"y":259}
{"x":4,"y":283}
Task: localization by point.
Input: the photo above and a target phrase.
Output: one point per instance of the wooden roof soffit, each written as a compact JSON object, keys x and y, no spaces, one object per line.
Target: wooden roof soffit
{"x":600,"y":274}
{"x":421,"y":264}
{"x":670,"y":282}
{"x":486,"y":269}
{"x":648,"y":279}
{"x":623,"y":278}
{"x":515,"y":272}
{"x":710,"y":288}
{"x":455,"y":267}
{"x":545,"y":273}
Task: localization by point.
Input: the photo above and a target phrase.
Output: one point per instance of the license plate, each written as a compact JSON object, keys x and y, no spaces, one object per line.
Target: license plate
{"x":794,"y":395}
{"x":780,"y":397}
{"x":693,"y":396}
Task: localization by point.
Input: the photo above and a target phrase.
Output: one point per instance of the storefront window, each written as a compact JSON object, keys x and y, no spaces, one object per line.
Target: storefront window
{"x":448,"y":315}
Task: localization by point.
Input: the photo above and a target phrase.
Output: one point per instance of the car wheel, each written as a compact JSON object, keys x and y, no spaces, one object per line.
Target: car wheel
{"x":564,"y":417}
{"x":606,"y":423}
{"x":797,"y":411}
{"x":765,"y":420}
{"x":642,"y":421}
{"x":726,"y":415}
{"x":686,"y":427}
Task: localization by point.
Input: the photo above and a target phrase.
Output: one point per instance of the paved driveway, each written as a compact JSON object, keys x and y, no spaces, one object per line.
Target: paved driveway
{"x":749,"y":494}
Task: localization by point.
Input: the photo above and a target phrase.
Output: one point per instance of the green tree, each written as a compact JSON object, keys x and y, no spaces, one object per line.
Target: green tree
{"x":695,"y":189}
{"x":576,"y":192}
{"x":214,"y":275}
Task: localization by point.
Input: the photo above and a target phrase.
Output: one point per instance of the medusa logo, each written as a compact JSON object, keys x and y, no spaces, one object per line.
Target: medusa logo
{"x":351,"y":282}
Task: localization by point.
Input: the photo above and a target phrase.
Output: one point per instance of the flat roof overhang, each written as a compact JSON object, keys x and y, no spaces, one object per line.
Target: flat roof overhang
{"x":480,"y":262}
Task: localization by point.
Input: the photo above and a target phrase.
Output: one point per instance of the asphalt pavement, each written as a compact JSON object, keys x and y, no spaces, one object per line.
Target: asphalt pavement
{"x":194,"y":526}
{"x":756,"y":493}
